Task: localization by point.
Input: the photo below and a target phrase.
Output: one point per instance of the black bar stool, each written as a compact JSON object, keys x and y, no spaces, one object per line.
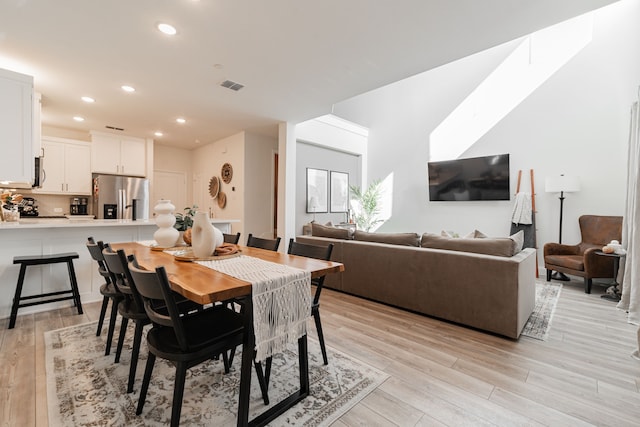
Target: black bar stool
{"x":48,"y":297}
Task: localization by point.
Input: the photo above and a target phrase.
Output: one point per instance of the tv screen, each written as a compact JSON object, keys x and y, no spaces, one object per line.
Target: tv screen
{"x":476,"y":178}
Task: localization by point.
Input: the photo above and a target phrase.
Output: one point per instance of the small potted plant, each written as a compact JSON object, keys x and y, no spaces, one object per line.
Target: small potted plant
{"x":184,"y":222}
{"x":366,"y":205}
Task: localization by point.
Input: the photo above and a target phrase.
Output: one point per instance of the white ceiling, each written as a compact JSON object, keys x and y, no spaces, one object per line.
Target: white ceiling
{"x":295,"y":58}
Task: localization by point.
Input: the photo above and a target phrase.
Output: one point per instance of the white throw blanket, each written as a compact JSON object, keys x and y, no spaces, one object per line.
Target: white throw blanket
{"x":522,"y":209}
{"x":281,"y":300}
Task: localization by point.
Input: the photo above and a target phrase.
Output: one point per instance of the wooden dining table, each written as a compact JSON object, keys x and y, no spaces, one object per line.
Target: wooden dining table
{"x":205,"y":285}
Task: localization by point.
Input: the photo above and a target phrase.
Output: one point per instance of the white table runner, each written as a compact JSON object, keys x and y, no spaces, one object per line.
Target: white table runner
{"x":281,"y":300}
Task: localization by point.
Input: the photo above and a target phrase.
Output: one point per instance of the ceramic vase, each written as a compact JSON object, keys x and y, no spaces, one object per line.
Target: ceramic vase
{"x":180,"y":241}
{"x":166,"y":236}
{"x":205,"y":238}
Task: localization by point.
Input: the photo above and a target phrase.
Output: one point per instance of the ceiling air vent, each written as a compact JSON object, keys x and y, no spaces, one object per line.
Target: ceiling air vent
{"x":114,"y":128}
{"x":229,"y":84}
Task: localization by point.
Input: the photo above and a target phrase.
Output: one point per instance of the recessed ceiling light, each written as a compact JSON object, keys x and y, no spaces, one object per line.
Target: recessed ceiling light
{"x":158,"y":133}
{"x":127,"y":88}
{"x":78,"y":119}
{"x":167,"y":29}
{"x":181,"y":120}
{"x":88,"y":99}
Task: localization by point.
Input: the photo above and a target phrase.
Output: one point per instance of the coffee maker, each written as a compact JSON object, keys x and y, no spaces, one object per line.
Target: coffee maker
{"x":78,"y":206}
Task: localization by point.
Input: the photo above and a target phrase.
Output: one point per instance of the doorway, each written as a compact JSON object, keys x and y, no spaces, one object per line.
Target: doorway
{"x":275,"y":195}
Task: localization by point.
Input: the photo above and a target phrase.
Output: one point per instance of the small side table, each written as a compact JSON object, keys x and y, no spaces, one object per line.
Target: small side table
{"x":616,"y":265}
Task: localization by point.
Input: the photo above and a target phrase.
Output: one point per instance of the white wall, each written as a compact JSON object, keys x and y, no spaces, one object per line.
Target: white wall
{"x":334,"y":133}
{"x":287,"y":147}
{"x":259,"y":185}
{"x":249,"y":194}
{"x":575,"y":123}
{"x":333,"y":144}
{"x":206,"y":162}
{"x":66,"y":133}
{"x":173,"y":160}
{"x":318,"y":156}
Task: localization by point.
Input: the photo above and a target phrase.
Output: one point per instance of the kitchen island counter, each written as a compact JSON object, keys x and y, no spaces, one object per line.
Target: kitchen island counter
{"x":43,"y":236}
{"x":27,"y":223}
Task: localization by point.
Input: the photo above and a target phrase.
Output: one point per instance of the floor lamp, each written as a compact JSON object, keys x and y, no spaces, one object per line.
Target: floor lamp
{"x":561,"y":184}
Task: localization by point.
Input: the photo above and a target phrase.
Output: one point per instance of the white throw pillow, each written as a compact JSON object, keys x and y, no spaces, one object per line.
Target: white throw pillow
{"x":480,"y":235}
{"x":475,"y":234}
{"x":518,"y":241}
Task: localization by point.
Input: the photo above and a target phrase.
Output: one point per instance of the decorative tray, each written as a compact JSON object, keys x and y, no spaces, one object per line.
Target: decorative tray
{"x":155,"y":247}
{"x":225,"y":251}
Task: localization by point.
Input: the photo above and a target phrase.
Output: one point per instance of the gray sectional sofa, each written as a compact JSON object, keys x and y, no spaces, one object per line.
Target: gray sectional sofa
{"x":484,"y":283}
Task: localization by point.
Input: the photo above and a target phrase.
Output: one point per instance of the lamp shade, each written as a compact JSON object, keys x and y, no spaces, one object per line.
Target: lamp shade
{"x":559,"y":183}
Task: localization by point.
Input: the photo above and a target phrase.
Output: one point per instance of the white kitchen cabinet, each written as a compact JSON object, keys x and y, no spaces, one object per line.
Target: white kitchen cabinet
{"x":119,"y":155}
{"x":66,"y":165}
{"x":37,"y":124}
{"x":16,"y":127}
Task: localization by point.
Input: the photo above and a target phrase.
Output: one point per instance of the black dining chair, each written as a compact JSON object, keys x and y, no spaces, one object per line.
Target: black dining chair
{"x":309,"y":251}
{"x":231,"y":238}
{"x":270,"y":245}
{"x":130,"y":308}
{"x":183,"y":340}
{"x":258,"y":242}
{"x":318,"y":252}
{"x":108,"y":290}
{"x":254,"y":242}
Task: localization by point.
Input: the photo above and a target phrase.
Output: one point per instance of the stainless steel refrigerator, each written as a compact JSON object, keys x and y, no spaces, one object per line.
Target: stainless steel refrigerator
{"x":120,"y":197}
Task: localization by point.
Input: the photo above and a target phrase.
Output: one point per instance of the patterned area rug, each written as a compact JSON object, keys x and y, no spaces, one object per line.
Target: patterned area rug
{"x":85,"y":387}
{"x":539,"y":323}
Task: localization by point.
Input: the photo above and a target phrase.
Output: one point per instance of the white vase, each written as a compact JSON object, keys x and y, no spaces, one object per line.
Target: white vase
{"x":205,"y":238}
{"x":166,"y":236}
{"x":180,"y":241}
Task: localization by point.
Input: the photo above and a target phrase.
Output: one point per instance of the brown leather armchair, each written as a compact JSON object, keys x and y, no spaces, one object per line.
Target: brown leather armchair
{"x":581,"y":260}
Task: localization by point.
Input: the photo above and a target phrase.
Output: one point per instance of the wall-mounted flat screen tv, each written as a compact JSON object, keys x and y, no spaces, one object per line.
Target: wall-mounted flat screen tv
{"x":476,"y":178}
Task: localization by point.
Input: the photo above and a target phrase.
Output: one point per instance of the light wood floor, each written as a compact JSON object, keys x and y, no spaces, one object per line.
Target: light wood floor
{"x":440,"y":374}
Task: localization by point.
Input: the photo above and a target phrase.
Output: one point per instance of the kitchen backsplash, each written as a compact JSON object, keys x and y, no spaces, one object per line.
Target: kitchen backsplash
{"x":52,"y":205}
